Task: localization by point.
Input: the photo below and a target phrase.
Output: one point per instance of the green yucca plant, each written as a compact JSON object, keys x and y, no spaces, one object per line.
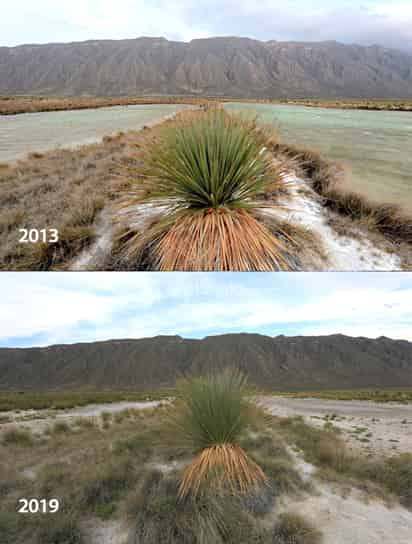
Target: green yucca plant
{"x":210,"y":160}
{"x":209,"y":176}
{"x":211,"y":416}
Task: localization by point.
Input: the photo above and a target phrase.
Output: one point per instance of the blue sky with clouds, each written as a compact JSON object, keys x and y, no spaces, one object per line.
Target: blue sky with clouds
{"x":366,"y":22}
{"x":42,"y":309}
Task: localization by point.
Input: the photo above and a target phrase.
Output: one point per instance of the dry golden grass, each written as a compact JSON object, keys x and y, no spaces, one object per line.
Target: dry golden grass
{"x":64,"y":190}
{"x":346,"y":104}
{"x":20,"y":104}
{"x":328,"y":180}
{"x":229,"y":464}
{"x":10,"y":105}
{"x":220,"y":240}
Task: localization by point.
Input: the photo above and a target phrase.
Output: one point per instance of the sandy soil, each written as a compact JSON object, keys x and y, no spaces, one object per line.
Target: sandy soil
{"x":105,"y":532}
{"x":37,"y":420}
{"x":376,"y":428}
{"x":349,"y":519}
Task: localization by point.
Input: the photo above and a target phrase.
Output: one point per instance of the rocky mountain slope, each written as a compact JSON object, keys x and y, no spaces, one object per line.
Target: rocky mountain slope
{"x":230,"y":66}
{"x":274,"y":363}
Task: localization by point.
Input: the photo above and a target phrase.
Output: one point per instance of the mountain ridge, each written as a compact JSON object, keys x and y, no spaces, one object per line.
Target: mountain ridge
{"x":221,"y":66}
{"x":281,"y":362}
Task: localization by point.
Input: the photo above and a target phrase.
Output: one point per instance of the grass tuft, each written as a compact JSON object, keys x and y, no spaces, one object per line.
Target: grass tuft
{"x":327,"y":180}
{"x":294,"y":529}
{"x":18,"y":437}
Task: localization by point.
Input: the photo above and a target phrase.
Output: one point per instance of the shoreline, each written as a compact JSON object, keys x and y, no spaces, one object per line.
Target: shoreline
{"x":93,"y":140}
{"x":16,"y":105}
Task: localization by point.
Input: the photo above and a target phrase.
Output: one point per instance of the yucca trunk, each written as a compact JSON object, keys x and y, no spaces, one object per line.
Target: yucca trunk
{"x":227,"y":464}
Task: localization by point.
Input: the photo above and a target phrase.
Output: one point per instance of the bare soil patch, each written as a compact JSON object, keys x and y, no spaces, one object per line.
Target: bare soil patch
{"x":374,"y":428}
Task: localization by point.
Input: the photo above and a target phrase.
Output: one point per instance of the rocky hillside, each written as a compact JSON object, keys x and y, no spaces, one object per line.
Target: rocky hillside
{"x":282,"y":362}
{"x":216,"y":66}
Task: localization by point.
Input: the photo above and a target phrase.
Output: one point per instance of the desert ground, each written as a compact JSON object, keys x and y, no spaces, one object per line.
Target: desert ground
{"x":344,"y":508}
{"x":375,"y":428}
{"x":372,"y":427}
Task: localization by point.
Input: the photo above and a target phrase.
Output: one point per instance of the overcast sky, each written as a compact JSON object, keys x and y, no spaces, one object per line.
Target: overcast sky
{"x":42,"y":309}
{"x":366,"y":22}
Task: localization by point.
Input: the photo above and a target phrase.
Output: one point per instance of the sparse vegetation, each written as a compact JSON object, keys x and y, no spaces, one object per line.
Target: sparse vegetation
{"x":16,"y":436}
{"x":326,"y":449}
{"x":113,"y":474}
{"x":11,"y":105}
{"x":63,"y":400}
{"x":345,"y":104}
{"x":327,"y":180}
{"x":134,"y":471}
{"x":375,"y":395}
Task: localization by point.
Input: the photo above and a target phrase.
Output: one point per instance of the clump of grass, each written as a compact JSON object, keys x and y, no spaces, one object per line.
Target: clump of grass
{"x":211,"y":416}
{"x":158,"y":515}
{"x":11,"y":219}
{"x":394,"y":473}
{"x":208,"y":176}
{"x":60,"y":427}
{"x":9,"y":527}
{"x":326,"y":449}
{"x":139,"y":445}
{"x":44,"y":256}
{"x":85,"y":423}
{"x":18,"y":437}
{"x":375,"y":395}
{"x":103,"y":488}
{"x":59,"y":529}
{"x":292,"y":528}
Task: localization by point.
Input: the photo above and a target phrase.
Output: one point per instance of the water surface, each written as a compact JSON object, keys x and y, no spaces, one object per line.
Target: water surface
{"x":23,"y":133}
{"x":375,"y":145}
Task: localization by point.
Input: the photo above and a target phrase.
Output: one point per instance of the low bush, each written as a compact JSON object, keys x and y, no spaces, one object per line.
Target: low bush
{"x":17,"y":437}
{"x":294,"y":529}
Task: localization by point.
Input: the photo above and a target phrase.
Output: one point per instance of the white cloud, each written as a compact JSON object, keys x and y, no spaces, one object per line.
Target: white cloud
{"x":379,"y":21}
{"x":86,"y":307}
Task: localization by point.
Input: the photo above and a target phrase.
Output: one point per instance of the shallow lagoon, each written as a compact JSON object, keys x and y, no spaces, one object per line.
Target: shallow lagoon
{"x":24,"y":133}
{"x":375,"y":145}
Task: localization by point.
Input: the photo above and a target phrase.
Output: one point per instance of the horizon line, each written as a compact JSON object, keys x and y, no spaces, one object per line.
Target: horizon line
{"x":222,"y":37}
{"x":199,"y":339}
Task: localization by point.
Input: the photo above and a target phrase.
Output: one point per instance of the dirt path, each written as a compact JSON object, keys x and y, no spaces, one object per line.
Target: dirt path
{"x":350,"y":519}
{"x":377,"y":428}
